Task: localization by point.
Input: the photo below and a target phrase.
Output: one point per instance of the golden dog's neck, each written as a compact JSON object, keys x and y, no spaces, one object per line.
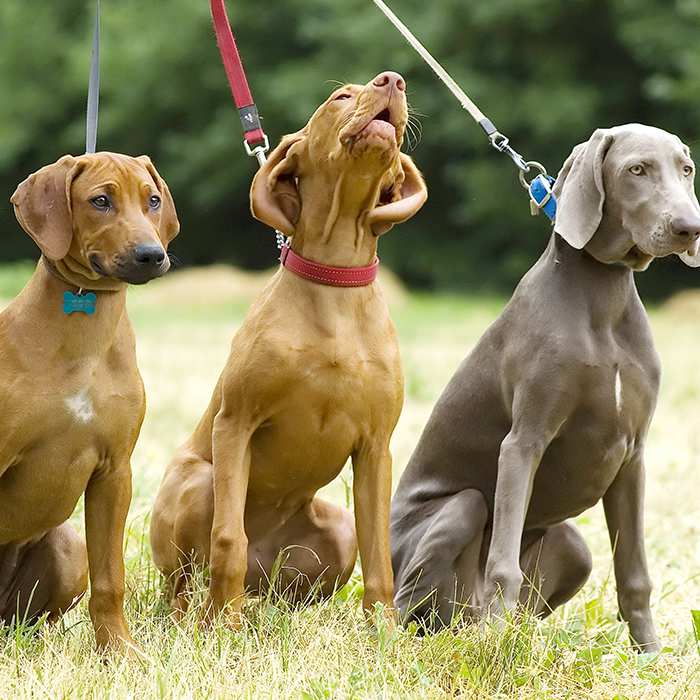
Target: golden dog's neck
{"x":73,"y":274}
{"x":333,"y":227}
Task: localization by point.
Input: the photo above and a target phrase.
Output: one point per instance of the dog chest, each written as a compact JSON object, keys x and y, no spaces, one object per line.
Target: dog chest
{"x":600,"y":436}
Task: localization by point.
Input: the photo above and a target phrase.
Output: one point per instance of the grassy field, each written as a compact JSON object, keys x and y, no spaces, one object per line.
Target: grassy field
{"x":184,"y":325}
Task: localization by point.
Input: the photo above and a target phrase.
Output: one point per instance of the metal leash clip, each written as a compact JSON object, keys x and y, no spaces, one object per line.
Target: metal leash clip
{"x":260,"y":151}
{"x":502,"y":144}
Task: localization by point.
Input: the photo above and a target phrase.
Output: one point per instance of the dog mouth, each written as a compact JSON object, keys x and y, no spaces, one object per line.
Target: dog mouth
{"x":381,"y":127}
{"x":128,"y":272}
{"x":637,"y":259}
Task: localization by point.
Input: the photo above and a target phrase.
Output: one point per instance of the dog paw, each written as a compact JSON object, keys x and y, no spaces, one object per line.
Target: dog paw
{"x":230,"y":615}
{"x":381,"y":616}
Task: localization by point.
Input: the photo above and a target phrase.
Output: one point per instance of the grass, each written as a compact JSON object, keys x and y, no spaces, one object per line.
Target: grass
{"x":327,"y":650}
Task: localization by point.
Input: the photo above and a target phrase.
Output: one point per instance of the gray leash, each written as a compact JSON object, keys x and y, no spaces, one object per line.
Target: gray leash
{"x":540,"y":187}
{"x":93,"y":100}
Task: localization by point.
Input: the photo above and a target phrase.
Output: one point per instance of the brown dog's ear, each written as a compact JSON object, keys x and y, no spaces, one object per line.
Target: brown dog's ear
{"x":169,"y":223}
{"x":409,"y":193}
{"x":42,"y":206}
{"x":274,"y":197}
{"x":580,"y":192}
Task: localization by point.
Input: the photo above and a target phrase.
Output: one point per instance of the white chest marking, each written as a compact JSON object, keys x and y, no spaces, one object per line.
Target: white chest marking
{"x":618,"y":391}
{"x":81,"y":407}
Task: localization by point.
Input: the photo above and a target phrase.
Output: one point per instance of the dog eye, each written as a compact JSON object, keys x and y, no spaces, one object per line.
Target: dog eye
{"x":154,"y":201}
{"x":637,"y":170}
{"x":687,"y":170}
{"x":101,"y":202}
{"x":343,"y":96}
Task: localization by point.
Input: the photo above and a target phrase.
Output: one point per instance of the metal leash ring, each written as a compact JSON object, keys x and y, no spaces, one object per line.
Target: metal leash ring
{"x":531,"y":164}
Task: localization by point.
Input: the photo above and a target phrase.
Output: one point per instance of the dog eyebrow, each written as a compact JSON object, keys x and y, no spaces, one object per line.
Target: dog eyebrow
{"x":109,"y":186}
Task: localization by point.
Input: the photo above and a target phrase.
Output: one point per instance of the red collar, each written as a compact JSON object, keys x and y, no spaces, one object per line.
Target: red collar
{"x":326,"y":274}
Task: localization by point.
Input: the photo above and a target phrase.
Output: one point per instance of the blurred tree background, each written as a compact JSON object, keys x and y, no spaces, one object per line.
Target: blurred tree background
{"x":547,"y":72}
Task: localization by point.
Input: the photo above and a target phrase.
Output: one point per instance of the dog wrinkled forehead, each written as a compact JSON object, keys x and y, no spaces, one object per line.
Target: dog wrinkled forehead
{"x":640,"y":140}
{"x":114,"y":167}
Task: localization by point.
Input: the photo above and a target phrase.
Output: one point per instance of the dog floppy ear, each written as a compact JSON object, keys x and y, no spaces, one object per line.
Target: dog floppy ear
{"x":169,"y":223}
{"x":42,"y":205}
{"x":274,"y":197}
{"x":580,"y":192}
{"x":409,"y":194}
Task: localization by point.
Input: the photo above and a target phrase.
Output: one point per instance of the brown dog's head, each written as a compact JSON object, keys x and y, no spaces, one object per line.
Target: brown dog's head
{"x":627,"y":196}
{"x":345,"y":162}
{"x":101,"y":215}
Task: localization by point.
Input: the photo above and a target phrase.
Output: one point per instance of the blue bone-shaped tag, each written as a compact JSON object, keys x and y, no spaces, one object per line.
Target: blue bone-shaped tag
{"x":542,"y":196}
{"x":79,"y":303}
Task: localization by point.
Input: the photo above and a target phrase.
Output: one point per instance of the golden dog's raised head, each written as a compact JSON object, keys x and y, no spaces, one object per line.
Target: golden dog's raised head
{"x":346,"y":162}
{"x":102,"y":215}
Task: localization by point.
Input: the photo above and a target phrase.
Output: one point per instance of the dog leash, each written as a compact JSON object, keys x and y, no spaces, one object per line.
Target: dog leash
{"x":255,"y":140}
{"x":256,"y":145}
{"x":93,"y":99}
{"x":540,"y":187}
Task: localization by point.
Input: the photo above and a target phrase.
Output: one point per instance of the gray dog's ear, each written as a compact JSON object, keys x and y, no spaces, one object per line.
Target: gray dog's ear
{"x":169,"y":223}
{"x":274,"y":197}
{"x":42,"y":206}
{"x":580,"y":192}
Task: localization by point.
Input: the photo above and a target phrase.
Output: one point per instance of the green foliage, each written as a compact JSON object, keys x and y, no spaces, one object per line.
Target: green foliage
{"x":548,"y":73}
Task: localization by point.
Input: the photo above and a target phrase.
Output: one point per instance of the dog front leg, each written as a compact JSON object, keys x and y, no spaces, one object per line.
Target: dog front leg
{"x":624,"y":513}
{"x":517,"y":464}
{"x":107,"y":500}
{"x":228,"y":557}
{"x":372,"y":494}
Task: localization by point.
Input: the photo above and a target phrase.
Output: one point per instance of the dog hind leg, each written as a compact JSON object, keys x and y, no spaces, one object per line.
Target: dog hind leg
{"x":438,"y":579}
{"x":50,"y":576}
{"x":555,"y":565}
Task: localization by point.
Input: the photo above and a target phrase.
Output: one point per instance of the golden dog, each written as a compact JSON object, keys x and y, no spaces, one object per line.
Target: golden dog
{"x":314,"y":378}
{"x":72,"y":396}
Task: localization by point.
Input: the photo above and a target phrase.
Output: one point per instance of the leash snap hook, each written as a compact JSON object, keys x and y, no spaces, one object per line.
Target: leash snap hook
{"x":260,"y":151}
{"x":502,"y":144}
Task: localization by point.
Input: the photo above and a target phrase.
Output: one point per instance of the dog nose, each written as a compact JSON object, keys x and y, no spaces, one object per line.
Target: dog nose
{"x":149,"y":255}
{"x":685,"y":227}
{"x":389,"y":80}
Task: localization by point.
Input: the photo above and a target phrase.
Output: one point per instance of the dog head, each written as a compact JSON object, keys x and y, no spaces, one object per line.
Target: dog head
{"x":352,"y":141}
{"x":102,"y":215}
{"x":627,"y":196}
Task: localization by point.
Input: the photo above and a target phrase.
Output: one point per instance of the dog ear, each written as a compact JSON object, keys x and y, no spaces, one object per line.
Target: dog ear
{"x":409,"y":194}
{"x":580,"y":192}
{"x":274,"y":197}
{"x":42,"y":205}
{"x":169,"y":223}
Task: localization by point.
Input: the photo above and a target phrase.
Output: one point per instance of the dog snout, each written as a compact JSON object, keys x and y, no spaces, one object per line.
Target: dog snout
{"x":388,"y":80}
{"x":149,"y":255}
{"x":141,"y":263}
{"x":687,"y":228}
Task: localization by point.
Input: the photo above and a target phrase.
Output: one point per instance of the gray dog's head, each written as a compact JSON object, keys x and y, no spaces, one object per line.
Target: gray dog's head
{"x":627,"y":196}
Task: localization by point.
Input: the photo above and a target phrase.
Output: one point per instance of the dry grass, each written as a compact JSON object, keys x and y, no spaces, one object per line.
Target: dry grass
{"x":184,"y":327}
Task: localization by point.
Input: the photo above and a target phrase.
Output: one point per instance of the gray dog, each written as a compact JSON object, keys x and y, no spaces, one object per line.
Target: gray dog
{"x":550,"y":411}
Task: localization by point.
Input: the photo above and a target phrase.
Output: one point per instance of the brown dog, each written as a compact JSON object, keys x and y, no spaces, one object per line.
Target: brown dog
{"x":313,"y":378}
{"x":72,"y":396}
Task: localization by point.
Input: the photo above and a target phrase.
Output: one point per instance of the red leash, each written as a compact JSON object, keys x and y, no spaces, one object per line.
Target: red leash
{"x":256,"y":144}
